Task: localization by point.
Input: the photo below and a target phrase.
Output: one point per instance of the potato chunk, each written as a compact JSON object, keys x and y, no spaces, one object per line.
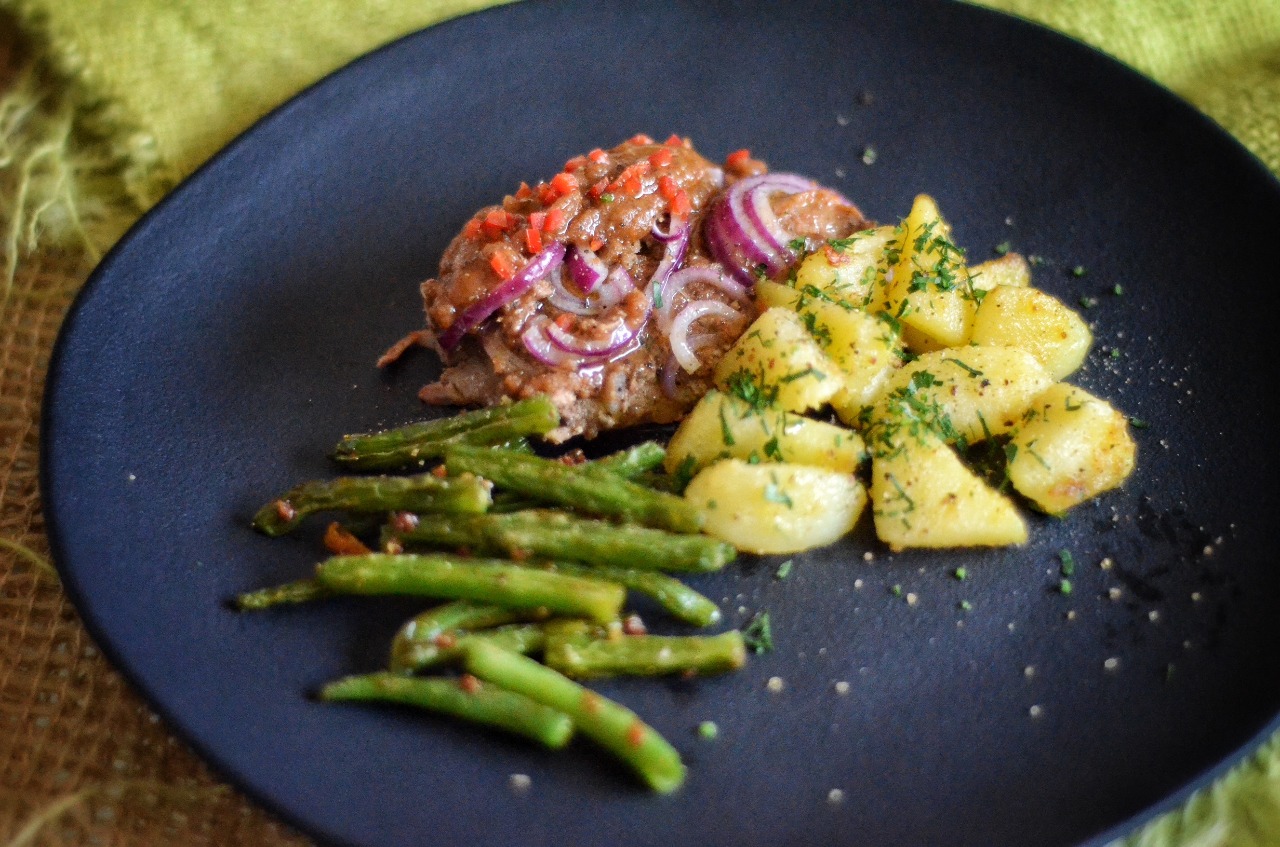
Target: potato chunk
{"x":1010,"y":270}
{"x":1070,"y":447}
{"x":847,"y":270}
{"x":722,"y":426}
{"x":922,"y":494}
{"x":866,"y":349}
{"x":777,"y":358}
{"x":930,"y":292}
{"x":776,"y":508}
{"x":1035,"y":321}
{"x":969,"y":393}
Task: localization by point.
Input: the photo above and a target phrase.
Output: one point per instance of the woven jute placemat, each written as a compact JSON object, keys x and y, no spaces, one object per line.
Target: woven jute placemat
{"x":83,"y":761}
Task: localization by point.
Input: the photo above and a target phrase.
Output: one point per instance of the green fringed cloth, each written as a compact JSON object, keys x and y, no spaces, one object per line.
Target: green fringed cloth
{"x":107,"y":104}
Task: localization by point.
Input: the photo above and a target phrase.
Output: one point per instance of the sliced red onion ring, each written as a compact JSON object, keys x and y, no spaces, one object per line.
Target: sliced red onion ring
{"x":672,"y":255}
{"x":742,"y":231}
{"x":615,"y":287}
{"x":586,"y":268}
{"x":711,"y":274}
{"x":671,"y":368}
{"x":755,"y":193}
{"x":675,"y":227}
{"x":547,"y":260}
{"x":540,"y":347}
{"x":618,"y":338}
{"x":681,"y":340}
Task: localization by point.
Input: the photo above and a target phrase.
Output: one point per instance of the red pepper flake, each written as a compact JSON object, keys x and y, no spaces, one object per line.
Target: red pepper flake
{"x":628,"y":182}
{"x":635,"y":734}
{"x":574,"y":164}
{"x":555,"y":220}
{"x":468,"y":683}
{"x":640,"y":138}
{"x":341,"y":542}
{"x":662,"y":158}
{"x":472,"y":229}
{"x":502,"y":266}
{"x":631,"y":186}
{"x":537,"y":220}
{"x":597,"y":155}
{"x":524,"y":191}
{"x":533,"y":239}
{"x":497,"y":222}
{"x":596,"y":243}
{"x":597,"y":191}
{"x":285,"y":510}
{"x":591,"y":702}
{"x":674,"y":140}
{"x":440,"y":471}
{"x":737,"y":158}
{"x":633,"y":625}
{"x":680,"y":204}
{"x":546,"y":194}
{"x":667,"y":188}
{"x":563,"y":184}
{"x":405,"y":521}
{"x":445,"y":640}
{"x":565,"y":321}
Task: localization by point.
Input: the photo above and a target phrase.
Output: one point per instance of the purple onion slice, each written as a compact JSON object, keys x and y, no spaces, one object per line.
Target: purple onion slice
{"x":547,"y":260}
{"x":682,"y":341}
{"x":586,"y":269}
{"x":616,"y":286}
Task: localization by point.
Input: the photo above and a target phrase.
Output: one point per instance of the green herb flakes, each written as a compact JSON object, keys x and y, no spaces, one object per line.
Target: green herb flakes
{"x":784,"y":569}
{"x":707,"y":730}
{"x":758,"y":633}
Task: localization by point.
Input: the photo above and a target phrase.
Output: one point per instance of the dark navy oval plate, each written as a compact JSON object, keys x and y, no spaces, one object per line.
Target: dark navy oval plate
{"x":230,"y":338}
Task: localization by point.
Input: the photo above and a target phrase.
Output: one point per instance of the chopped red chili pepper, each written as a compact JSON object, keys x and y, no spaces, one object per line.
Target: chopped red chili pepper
{"x":680,"y":204}
{"x":546,"y":194}
{"x":737,"y":158}
{"x":641,"y":138}
{"x":668,"y":188}
{"x":537,"y":220}
{"x":555,"y":220}
{"x":573,"y":164}
{"x":533,"y":239}
{"x":597,"y":191}
{"x":661,"y":158}
{"x":674,"y":141}
{"x":563,"y":184}
{"x":564,"y":321}
{"x":502,"y":266}
{"x":597,"y":155}
{"x":472,"y":229}
{"x":524,"y":191}
{"x":596,"y":243}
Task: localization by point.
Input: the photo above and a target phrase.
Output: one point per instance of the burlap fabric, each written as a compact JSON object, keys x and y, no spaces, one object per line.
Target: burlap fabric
{"x":83,"y":761}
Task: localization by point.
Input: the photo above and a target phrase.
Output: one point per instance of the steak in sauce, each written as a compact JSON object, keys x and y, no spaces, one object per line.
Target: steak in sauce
{"x":615,"y":287}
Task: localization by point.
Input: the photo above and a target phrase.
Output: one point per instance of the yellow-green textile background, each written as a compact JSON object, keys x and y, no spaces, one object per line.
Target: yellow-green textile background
{"x":104,"y":105}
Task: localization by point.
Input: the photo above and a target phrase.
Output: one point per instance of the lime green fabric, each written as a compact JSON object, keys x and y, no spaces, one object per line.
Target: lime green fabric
{"x":155,"y":87}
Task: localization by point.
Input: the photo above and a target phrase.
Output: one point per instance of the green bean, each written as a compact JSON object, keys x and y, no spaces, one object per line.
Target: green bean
{"x":300,"y":591}
{"x":448,"y":647}
{"x":482,"y":580}
{"x":468,"y":699}
{"x":421,"y":493}
{"x":590,"y":490}
{"x":412,"y":446}
{"x":578,"y":650}
{"x":557,"y":535}
{"x":611,"y":725}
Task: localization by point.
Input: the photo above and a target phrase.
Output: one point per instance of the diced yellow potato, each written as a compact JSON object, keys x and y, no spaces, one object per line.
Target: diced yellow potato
{"x":1010,"y":270}
{"x":777,"y":359}
{"x":847,"y":270}
{"x":1071,"y":447}
{"x":923,"y":495}
{"x":774,"y":294}
{"x":968,"y":392}
{"x":722,"y":427}
{"x":1035,"y":321}
{"x":866,"y":349}
{"x":930,"y":292}
{"x":776,"y":508}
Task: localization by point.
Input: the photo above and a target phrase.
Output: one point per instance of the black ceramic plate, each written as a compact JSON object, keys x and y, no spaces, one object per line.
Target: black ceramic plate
{"x":230,"y":339}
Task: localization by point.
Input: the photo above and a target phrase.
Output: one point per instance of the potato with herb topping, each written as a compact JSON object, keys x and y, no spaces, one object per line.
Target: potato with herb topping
{"x":846,"y":270}
{"x":778,"y":359}
{"x":722,"y":426}
{"x":923,"y":495}
{"x":1036,"y":322}
{"x":776,"y":508}
{"x":1070,"y":446}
